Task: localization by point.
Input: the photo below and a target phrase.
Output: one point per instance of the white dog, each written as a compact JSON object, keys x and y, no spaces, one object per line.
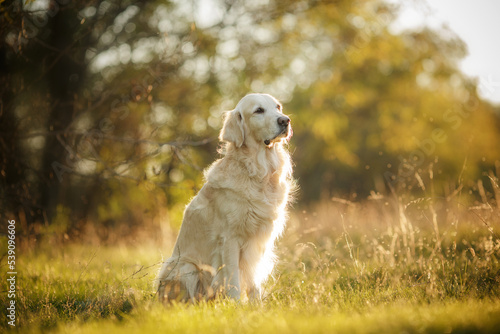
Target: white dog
{"x":225,"y":244}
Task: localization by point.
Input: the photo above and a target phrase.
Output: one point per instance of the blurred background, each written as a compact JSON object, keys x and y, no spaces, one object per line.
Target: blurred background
{"x":110,"y":109}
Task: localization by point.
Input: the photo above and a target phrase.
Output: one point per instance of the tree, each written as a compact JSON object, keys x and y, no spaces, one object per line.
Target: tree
{"x":110,"y":109}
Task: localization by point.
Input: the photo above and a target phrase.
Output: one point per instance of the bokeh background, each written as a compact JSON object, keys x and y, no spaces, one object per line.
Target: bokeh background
{"x":110,"y":110}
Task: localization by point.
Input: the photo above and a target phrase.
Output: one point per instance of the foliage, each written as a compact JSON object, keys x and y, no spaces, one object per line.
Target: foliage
{"x":111,"y":108}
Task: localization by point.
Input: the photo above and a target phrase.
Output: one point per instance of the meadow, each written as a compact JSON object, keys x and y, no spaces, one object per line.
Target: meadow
{"x":387,"y":264}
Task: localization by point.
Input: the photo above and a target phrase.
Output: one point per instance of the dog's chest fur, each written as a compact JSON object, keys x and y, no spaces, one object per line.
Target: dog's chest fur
{"x":260,"y":199}
{"x":263,"y":207}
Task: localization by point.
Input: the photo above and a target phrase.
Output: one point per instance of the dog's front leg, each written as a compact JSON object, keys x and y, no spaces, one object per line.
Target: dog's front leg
{"x":227,"y":277}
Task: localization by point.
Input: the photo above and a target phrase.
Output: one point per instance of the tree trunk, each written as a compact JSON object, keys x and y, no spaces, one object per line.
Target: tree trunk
{"x":66,"y":69}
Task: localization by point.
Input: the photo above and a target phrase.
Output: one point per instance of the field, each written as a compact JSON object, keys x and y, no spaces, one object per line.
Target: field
{"x":385,"y":265}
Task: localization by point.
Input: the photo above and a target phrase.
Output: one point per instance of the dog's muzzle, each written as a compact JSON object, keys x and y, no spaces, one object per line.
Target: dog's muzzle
{"x":284,"y":125}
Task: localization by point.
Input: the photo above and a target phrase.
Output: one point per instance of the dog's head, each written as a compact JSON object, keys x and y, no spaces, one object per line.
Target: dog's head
{"x":258,"y":119}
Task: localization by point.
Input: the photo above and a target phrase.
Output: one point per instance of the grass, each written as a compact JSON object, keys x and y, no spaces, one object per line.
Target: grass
{"x":387,"y":265}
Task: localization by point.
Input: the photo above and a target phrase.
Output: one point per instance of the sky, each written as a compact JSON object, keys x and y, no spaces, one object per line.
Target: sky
{"x":476,"y":22}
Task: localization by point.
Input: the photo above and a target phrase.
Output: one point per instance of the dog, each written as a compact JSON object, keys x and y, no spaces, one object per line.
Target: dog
{"x":225,"y":246}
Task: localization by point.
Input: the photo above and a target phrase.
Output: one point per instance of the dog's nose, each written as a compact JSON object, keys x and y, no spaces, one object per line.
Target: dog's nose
{"x":283,"y":120}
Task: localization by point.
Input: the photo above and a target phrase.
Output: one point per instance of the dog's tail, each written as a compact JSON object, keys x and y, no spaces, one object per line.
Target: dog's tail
{"x":183,"y":280}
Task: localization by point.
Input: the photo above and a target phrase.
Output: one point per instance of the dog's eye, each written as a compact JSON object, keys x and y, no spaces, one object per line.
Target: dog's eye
{"x":259,"y":110}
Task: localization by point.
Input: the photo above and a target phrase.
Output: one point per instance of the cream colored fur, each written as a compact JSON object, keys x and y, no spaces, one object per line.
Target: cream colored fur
{"x":225,"y":244}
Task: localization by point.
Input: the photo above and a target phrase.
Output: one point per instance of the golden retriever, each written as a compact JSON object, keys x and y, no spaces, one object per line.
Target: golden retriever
{"x":226,"y":241}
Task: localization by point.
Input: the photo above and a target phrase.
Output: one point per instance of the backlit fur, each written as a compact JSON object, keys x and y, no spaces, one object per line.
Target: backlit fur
{"x":226,"y":241}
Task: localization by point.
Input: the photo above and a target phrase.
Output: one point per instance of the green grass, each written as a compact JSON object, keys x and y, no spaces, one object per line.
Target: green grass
{"x":376,"y":267}
{"x":447,"y":317}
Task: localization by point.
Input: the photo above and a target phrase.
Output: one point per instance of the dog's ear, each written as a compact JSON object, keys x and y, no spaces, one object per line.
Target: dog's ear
{"x":233,"y":130}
